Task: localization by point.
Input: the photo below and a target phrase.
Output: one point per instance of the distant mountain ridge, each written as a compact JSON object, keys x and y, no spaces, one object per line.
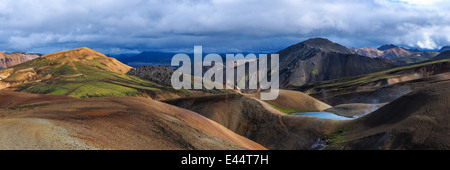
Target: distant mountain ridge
{"x":390,"y":46}
{"x":368,"y":52}
{"x":148,"y":58}
{"x":387,"y":51}
{"x":386,"y":47}
{"x":162,"y":58}
{"x":445,"y":48}
{"x":394,"y":54}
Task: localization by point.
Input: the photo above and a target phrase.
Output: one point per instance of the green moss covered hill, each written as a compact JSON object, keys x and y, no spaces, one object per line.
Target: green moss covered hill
{"x":81,"y":73}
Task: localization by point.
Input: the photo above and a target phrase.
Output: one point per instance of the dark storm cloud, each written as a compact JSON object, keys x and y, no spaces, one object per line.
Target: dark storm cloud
{"x":219,"y":25}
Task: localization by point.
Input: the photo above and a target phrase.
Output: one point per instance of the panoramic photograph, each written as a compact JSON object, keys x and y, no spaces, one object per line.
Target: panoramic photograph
{"x":224,"y":75}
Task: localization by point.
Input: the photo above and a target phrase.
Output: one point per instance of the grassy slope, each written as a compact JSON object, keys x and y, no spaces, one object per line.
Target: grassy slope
{"x":78,"y":79}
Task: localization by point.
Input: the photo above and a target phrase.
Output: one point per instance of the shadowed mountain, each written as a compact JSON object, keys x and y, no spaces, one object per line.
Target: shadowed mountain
{"x":387,"y":47}
{"x":445,"y":48}
{"x":12,"y":59}
{"x":80,"y":72}
{"x":319,"y":59}
{"x":418,"y":120}
{"x":442,"y":56}
{"x":415,"y":58}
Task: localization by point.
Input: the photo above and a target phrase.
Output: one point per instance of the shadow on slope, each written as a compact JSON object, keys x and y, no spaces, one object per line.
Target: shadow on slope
{"x":418,"y":120}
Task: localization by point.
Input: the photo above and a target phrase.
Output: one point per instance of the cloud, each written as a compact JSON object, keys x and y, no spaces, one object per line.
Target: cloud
{"x":219,"y":25}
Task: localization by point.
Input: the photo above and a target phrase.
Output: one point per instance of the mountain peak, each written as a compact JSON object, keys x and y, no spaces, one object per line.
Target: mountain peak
{"x":83,"y":49}
{"x":317,"y":41}
{"x":326,"y":45}
{"x":88,"y":57}
{"x":82,"y":54}
{"x":387,"y":47}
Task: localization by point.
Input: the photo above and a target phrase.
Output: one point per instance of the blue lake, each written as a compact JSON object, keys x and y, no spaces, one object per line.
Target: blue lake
{"x":325,"y":115}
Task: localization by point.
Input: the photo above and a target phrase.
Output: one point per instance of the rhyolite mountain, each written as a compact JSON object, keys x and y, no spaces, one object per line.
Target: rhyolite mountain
{"x":81,"y":73}
{"x":396,"y":55}
{"x":319,"y":59}
{"x":390,"y":53}
{"x":368,"y":52}
{"x":12,"y":59}
{"x":396,"y":52}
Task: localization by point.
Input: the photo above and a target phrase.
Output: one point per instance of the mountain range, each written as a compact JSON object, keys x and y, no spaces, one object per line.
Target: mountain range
{"x":315,"y":60}
{"x":394,"y":54}
{"x":82,"y":99}
{"x":147,"y":58}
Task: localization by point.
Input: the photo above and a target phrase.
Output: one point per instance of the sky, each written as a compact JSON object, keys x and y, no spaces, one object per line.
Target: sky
{"x":132,"y":26}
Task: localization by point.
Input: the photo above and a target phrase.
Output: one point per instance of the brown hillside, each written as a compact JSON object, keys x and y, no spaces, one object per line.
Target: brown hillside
{"x":295,"y":100}
{"x":108,"y":123}
{"x":368,"y":52}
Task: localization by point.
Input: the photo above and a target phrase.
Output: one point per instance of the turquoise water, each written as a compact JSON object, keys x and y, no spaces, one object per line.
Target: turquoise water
{"x":325,"y":115}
